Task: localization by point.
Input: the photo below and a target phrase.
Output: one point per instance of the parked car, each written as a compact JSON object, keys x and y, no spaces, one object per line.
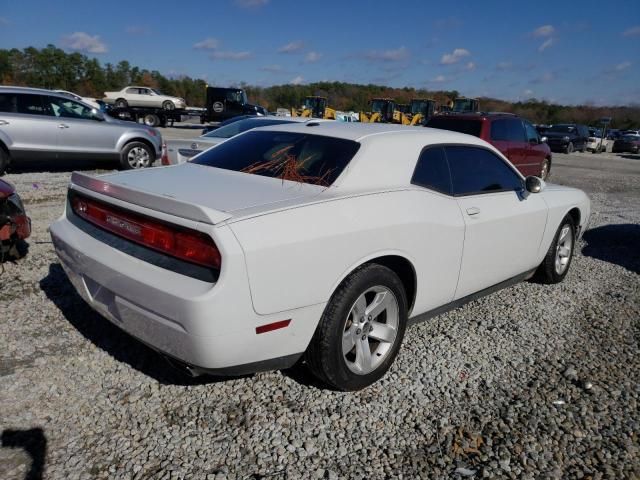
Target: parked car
{"x":568,"y":137}
{"x":594,"y":142}
{"x":631,"y":132}
{"x":323,"y":240}
{"x":15,"y":225}
{"x":40,"y":124}
{"x":182,"y":150}
{"x":143,"y":97}
{"x":613,"y":134}
{"x":515,"y":137}
{"x":92,"y":102}
{"x":627,"y":143}
{"x":224,"y":103}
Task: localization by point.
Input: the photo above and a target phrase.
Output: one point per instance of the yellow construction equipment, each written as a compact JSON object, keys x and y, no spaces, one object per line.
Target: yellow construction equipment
{"x":421,"y":109}
{"x":381,"y":111}
{"x":465,"y":105}
{"x":315,"y":107}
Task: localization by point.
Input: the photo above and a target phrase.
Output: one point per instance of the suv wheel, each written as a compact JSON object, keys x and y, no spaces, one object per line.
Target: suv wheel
{"x":361,"y":329}
{"x":569,"y":148}
{"x":121,"y":103}
{"x":546,"y":168}
{"x":136,"y":155}
{"x":4,"y":161}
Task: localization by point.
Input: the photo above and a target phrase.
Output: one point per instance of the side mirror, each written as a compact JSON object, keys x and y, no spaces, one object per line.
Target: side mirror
{"x":533,"y":184}
{"x":97,"y":115}
{"x":543,"y":140}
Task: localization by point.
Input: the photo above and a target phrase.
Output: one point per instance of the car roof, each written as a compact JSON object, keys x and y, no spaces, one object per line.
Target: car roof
{"x":13,"y":89}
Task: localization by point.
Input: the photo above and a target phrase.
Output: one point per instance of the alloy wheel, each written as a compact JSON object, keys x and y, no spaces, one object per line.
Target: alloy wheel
{"x":564,"y":248}
{"x":370,"y":330}
{"x":138,"y":157}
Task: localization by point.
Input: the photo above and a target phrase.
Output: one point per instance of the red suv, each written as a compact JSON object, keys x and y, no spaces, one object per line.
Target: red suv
{"x":515,"y":137}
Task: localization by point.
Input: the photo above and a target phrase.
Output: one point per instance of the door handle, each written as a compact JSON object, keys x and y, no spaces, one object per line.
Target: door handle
{"x":63,"y":125}
{"x":473,"y":211}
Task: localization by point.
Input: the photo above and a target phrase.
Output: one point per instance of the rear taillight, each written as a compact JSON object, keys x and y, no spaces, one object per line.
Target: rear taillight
{"x":164,"y":158}
{"x":179,"y":242}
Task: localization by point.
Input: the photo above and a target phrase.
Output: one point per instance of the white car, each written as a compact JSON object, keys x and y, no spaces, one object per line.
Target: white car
{"x":181,"y":150}
{"x":594,"y":141}
{"x":92,"y":102}
{"x":323,"y":240}
{"x":143,"y":97}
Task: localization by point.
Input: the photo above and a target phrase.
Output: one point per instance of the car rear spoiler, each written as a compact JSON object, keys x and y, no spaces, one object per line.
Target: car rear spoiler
{"x":152,"y":201}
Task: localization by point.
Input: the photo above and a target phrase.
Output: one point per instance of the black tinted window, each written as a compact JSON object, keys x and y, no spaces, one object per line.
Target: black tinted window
{"x":532,"y":133}
{"x":31,"y":104}
{"x":462,"y":125}
{"x":228,"y":131}
{"x":432,"y":171}
{"x":507,"y":129}
{"x":476,"y":170}
{"x":7,"y":102}
{"x":298,"y":157}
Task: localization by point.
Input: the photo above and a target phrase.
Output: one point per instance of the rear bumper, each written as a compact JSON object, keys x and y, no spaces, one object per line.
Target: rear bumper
{"x":209,"y":326}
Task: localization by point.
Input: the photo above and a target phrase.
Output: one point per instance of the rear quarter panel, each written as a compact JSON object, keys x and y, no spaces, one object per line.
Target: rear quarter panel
{"x":298,"y":257}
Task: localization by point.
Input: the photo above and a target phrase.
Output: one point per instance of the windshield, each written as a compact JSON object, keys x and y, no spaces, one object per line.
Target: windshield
{"x":378,"y":106}
{"x":462,"y":125}
{"x":156,"y":91}
{"x":418,"y":107}
{"x":562,"y":129}
{"x":297,"y":157}
{"x":463,"y":105}
{"x":240,"y":126}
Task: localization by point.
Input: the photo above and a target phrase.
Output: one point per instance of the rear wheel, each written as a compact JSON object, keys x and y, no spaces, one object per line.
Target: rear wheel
{"x":546,"y":169}
{"x":136,"y":155}
{"x":4,"y":161}
{"x":121,"y":103}
{"x":569,"y":148}
{"x":151,"y":120}
{"x":556,"y":263}
{"x":168,"y":105}
{"x":361,"y":329}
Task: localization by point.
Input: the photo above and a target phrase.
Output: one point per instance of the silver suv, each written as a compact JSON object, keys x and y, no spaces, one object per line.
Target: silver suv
{"x":40,"y":124}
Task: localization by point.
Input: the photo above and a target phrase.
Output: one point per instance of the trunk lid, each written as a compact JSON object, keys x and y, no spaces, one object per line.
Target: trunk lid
{"x":196,"y":192}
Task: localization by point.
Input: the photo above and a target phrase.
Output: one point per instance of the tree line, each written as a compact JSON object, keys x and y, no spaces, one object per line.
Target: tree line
{"x":53,"y":68}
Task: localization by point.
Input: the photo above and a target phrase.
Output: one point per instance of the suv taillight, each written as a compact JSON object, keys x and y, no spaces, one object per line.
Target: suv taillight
{"x":176,"y":241}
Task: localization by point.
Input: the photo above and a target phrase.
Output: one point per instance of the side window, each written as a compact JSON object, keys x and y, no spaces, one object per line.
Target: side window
{"x":532,"y":133}
{"x":432,"y":171}
{"x":499,"y":130}
{"x":516,"y":130}
{"x":30,"y":104}
{"x":8,"y":102}
{"x":68,"y":108}
{"x":476,"y":170}
{"x":132,"y":91}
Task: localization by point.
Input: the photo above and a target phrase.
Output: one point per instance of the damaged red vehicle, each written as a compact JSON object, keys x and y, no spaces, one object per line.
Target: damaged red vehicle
{"x":15,"y":225}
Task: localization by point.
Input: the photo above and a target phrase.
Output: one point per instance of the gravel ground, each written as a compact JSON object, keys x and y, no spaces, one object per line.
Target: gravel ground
{"x":531,"y":382}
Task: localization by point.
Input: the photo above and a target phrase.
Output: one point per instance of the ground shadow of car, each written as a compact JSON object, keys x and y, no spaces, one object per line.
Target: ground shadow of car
{"x":110,"y":338}
{"x":15,"y":253}
{"x":34,"y":443}
{"x":630,"y":156}
{"x":615,"y":244}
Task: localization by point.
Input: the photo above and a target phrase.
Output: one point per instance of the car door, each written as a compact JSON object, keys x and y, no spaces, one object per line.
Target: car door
{"x":503,"y":223}
{"x":536,"y":151}
{"x":30,"y":130}
{"x":81,"y":134}
{"x":148,"y":99}
{"x":519,"y":145}
{"x":133,"y":97}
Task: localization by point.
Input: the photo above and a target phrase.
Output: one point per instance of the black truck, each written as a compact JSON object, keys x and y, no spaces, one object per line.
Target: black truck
{"x":224,"y":103}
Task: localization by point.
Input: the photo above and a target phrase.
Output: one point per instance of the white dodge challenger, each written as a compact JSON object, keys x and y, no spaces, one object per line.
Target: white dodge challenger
{"x":319,"y":241}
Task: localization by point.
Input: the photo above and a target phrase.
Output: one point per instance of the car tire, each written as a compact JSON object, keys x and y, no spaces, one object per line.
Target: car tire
{"x":151,"y":120}
{"x":168,"y":105}
{"x":584,"y":148}
{"x":136,"y":155}
{"x":372,"y":341}
{"x":545,"y":171}
{"x":557,"y":261}
{"x":4,"y":162}
{"x":569,"y":148}
{"x":121,"y":103}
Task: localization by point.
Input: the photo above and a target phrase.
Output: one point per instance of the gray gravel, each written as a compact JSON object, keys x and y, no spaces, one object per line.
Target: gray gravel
{"x":531,"y":382}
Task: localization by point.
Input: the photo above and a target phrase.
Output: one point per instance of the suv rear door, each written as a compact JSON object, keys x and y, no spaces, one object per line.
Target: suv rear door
{"x":31,"y":130}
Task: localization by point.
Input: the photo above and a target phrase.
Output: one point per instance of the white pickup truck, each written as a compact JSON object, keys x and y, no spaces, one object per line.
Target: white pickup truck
{"x":143,"y":97}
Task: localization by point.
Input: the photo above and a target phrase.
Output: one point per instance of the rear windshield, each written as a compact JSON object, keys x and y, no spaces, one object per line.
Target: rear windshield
{"x":298,"y":157}
{"x":462,"y":125}
{"x":232,"y":129}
